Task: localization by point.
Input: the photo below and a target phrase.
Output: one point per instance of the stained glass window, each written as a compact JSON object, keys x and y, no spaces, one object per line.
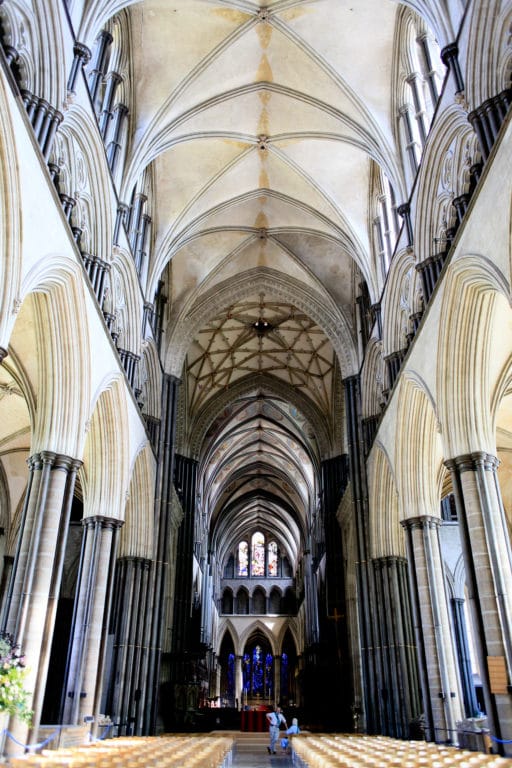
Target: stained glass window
{"x":246,"y":671}
{"x":272,"y":558}
{"x":258,"y":554}
{"x":243,"y":559}
{"x":269,"y":673}
{"x":257,"y":670}
{"x":284,"y":674}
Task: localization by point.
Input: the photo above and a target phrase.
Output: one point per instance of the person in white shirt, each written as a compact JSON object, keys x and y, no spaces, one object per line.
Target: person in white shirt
{"x":274,"y":719}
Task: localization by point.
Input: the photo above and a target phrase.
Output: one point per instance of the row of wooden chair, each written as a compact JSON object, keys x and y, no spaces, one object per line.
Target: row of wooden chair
{"x":359,"y":751}
{"x":174,"y":751}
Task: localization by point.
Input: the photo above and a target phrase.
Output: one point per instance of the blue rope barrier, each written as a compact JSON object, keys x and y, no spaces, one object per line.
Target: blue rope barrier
{"x":500,"y":741}
{"x":40,"y":745}
{"x":103,"y":735}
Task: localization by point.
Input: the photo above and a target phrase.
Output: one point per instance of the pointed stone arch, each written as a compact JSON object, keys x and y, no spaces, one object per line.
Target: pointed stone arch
{"x":386,"y":535}
{"x":443,"y":176}
{"x":227,"y":633}
{"x":81,"y":144}
{"x":469,"y":341}
{"x":419,"y":456}
{"x":489,"y":55}
{"x":399,"y":302}
{"x":55,"y":297}
{"x":136,"y":536}
{"x":127,"y":302}
{"x":372,"y":380}
{"x":107,"y":450}
{"x":10,"y":222}
{"x":254,"y":628}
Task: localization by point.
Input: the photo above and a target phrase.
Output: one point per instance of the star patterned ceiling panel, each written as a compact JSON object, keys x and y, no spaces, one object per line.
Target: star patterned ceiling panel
{"x":255,"y":337}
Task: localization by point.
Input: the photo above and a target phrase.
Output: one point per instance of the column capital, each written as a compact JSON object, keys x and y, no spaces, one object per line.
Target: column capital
{"x":3,"y":354}
{"x":171,"y":379}
{"x":448,"y":53}
{"x":471,"y":462}
{"x":57,"y":460}
{"x":381,"y":562}
{"x":421,"y":521}
{"x":82,"y":51}
{"x":104,"y":522}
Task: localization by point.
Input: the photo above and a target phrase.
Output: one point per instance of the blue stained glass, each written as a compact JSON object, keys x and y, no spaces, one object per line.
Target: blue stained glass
{"x":284,"y":674}
{"x":269,"y":677}
{"x":257,"y":670}
{"x":246,"y":671}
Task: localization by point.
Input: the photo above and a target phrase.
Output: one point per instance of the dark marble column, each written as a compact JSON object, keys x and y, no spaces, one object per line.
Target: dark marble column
{"x":128,"y":695}
{"x":114,"y":146}
{"x":160,"y":574}
{"x":487,"y":559}
{"x":82,"y":56}
{"x":486,"y":120}
{"x":400,"y":695}
{"x":99,"y":65}
{"x":466,"y":672}
{"x":87,"y":649}
{"x":438,"y":673}
{"x":450,"y":58}
{"x":404,"y":211}
{"x":364,"y":573}
{"x":113,"y":81}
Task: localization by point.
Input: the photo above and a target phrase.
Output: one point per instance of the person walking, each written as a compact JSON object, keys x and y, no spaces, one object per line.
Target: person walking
{"x":275,"y":719}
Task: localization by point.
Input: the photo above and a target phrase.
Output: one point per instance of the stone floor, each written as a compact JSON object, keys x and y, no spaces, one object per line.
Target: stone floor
{"x":250,"y":751}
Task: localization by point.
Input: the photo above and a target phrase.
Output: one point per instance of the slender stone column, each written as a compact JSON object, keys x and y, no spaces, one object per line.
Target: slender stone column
{"x":160,"y":575}
{"x":90,"y":622}
{"x":487,"y":559}
{"x":440,"y":682}
{"x":239,"y":681}
{"x":466,"y":673}
{"x":277,"y":679}
{"x":404,"y":211}
{"x":6,"y":577}
{"x":400,"y":701}
{"x":82,"y":56}
{"x":312,"y":631}
{"x":127,"y":693}
{"x":364,"y":573}
{"x":450,"y":58}
{"x":31,"y":603}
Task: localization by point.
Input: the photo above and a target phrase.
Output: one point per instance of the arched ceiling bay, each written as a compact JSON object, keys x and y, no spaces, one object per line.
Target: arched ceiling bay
{"x":263,"y":117}
{"x":260,"y":122}
{"x":259,"y":471}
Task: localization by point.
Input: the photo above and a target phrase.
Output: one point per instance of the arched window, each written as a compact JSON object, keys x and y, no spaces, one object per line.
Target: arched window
{"x":229,"y":569}
{"x":258,"y":554}
{"x":421,"y":71}
{"x":227,"y":601}
{"x":275,"y":601}
{"x":259,"y":601}
{"x":242,"y":601}
{"x":385,"y":220}
{"x":272,"y":559}
{"x":257,"y":670}
{"x":243,"y":559}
